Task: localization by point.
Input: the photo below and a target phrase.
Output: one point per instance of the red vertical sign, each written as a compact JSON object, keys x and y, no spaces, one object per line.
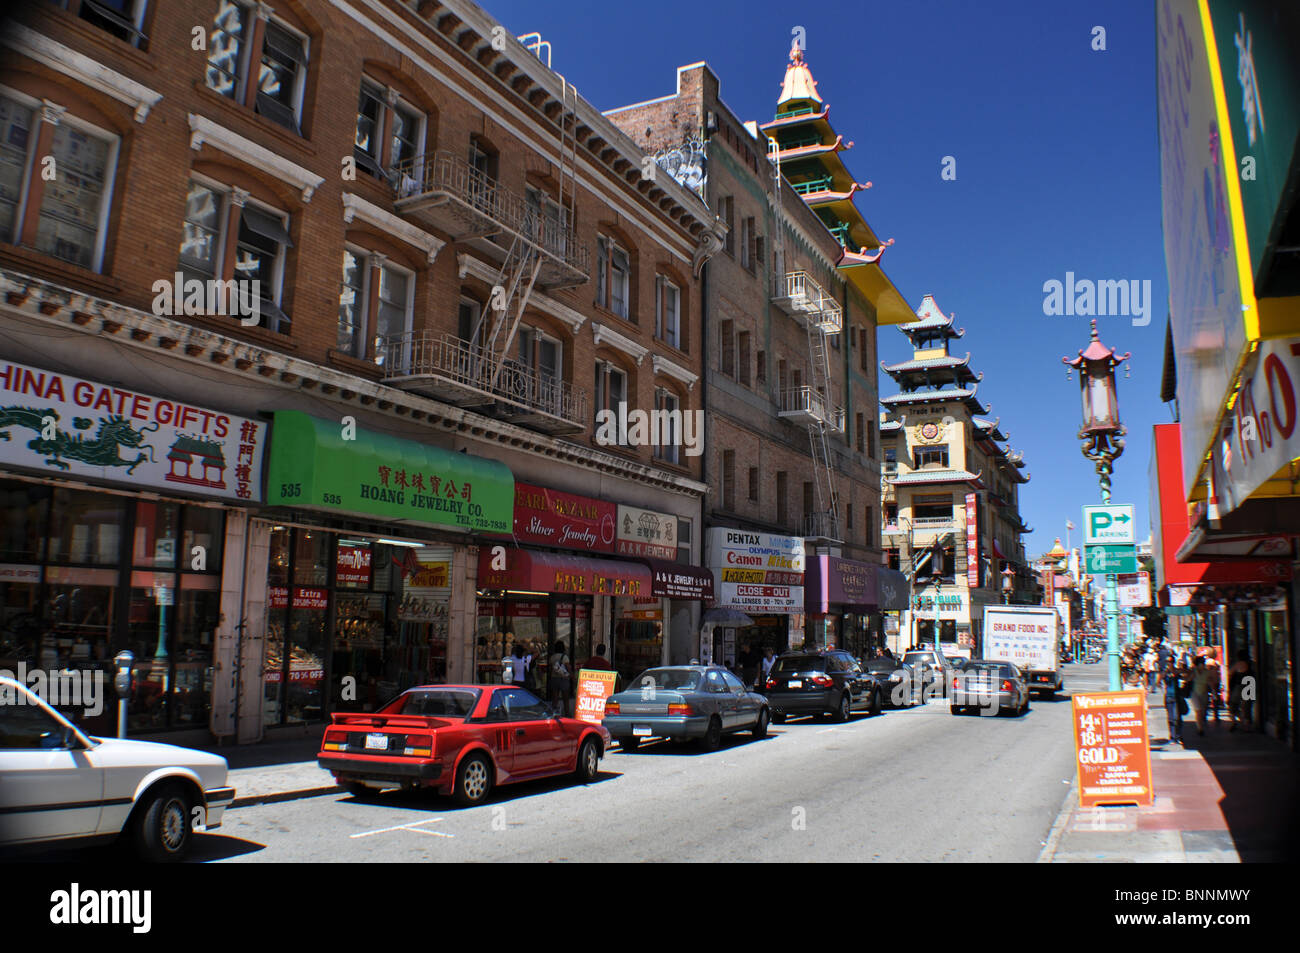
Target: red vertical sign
{"x":972,"y":543}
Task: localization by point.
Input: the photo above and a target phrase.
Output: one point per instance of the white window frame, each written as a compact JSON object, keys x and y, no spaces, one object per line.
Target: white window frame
{"x":408,"y":306}
{"x":604,"y":369}
{"x":663,"y":285}
{"x":300,"y":79}
{"x":669,"y":453}
{"x":382,"y":144}
{"x":608,"y":246}
{"x":110,"y":175}
{"x":363,"y":313}
{"x":227,"y":222}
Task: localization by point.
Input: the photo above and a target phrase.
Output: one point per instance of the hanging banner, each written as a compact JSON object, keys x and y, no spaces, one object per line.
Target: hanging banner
{"x":68,"y":426}
{"x":972,"y":543}
{"x":1112,"y":748}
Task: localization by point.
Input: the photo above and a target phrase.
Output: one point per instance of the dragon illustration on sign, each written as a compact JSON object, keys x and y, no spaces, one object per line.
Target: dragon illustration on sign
{"x":103,"y":450}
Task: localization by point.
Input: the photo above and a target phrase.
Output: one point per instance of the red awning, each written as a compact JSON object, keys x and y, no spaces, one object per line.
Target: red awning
{"x":678,"y":580}
{"x":506,"y":567}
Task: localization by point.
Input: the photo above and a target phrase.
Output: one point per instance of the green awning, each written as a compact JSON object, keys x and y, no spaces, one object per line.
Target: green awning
{"x":312,"y":465}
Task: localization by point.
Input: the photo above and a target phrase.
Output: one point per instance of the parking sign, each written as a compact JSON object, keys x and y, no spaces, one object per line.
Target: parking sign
{"x":1108,"y":524}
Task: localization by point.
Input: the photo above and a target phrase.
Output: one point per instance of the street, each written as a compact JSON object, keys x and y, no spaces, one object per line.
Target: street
{"x":911,"y":785}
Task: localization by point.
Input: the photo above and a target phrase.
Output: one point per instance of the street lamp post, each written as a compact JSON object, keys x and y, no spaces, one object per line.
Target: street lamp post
{"x":1008,"y":574}
{"x":1102,"y":437}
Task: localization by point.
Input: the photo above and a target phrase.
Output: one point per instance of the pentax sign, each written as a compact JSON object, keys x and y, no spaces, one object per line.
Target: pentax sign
{"x":1112,"y":748}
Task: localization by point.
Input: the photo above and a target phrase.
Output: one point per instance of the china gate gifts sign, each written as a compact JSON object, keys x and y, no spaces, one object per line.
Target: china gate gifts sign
{"x":66,"y":425}
{"x":552,"y":518}
{"x":1112,"y":748}
{"x":594,"y":687}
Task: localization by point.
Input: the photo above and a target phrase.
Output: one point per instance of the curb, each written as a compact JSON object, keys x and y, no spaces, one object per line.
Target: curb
{"x":1048,"y":853}
{"x":253,"y":799}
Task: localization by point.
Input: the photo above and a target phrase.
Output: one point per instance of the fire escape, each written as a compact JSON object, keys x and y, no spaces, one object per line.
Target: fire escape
{"x":812,"y":404}
{"x":532,"y":241}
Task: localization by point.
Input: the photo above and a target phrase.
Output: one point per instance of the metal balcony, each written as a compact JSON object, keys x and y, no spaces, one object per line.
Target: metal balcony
{"x":445,"y":192}
{"x":806,"y":405}
{"x":822,"y":525}
{"x":799,"y":296}
{"x":450,"y":369}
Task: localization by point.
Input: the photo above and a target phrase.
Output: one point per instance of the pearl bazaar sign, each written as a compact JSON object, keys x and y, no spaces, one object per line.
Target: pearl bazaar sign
{"x":68,"y":426}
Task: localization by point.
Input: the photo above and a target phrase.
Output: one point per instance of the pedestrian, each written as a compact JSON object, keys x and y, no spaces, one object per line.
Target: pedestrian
{"x":769,"y":659}
{"x":558,"y":669}
{"x":749,"y":661}
{"x":1216,"y":682}
{"x":1175,"y":703}
{"x":598,"y":661}
{"x":1240,"y":677}
{"x":523,"y":661}
{"x":1149,"y":669}
{"x":1198,"y":685}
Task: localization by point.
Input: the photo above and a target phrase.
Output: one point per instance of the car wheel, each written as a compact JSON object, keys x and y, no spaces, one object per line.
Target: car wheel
{"x":956,"y":709}
{"x":713,"y":736}
{"x":588,"y":761}
{"x":875,"y":703}
{"x":362,"y":792}
{"x":629,"y":744}
{"x":163,"y":828}
{"x":473,"y":780}
{"x":778,"y":718}
{"x":1025,"y":708}
{"x":846,"y":707}
{"x":760,"y":726}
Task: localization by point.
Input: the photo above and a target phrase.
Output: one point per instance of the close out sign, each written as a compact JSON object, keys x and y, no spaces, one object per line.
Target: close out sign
{"x":1112,"y":748}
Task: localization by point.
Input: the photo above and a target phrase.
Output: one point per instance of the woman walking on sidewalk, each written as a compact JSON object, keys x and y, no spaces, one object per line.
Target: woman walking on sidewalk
{"x":1175,"y":701}
{"x":1199,"y":685}
{"x":1241,"y":675}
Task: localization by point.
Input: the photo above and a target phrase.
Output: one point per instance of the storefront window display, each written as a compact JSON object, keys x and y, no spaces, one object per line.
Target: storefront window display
{"x":639,"y":637}
{"x":84,"y":575}
{"x":536,"y":622}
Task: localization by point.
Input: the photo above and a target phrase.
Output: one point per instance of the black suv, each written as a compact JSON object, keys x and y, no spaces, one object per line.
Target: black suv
{"x":817,"y":683}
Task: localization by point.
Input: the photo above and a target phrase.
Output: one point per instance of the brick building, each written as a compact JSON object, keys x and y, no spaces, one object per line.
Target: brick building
{"x":790,"y":389}
{"x":447,"y":264}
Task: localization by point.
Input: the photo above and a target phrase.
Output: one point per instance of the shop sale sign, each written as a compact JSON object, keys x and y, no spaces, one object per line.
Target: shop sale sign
{"x":1112,"y":748}
{"x":594,"y":687}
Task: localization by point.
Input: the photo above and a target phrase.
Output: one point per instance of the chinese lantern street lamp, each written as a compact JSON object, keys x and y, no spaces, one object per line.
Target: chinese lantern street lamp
{"x":1008,"y":577}
{"x":1102,"y":437}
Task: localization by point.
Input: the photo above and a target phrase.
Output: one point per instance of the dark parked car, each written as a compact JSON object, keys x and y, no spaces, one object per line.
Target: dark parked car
{"x":1001,"y":687}
{"x":817,"y":683}
{"x":682,"y":702}
{"x":897,"y":680}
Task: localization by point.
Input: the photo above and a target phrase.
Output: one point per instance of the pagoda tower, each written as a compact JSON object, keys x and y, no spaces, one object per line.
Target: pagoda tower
{"x":810,"y":155}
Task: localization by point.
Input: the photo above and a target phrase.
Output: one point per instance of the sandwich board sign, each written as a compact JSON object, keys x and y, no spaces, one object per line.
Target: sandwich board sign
{"x":1108,"y":524}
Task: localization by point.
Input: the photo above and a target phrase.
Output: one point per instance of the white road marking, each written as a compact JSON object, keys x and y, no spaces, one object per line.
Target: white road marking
{"x":399,"y":827}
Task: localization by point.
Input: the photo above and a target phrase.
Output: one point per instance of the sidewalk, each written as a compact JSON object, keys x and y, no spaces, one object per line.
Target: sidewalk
{"x":279,"y":770}
{"x":1227,"y":797}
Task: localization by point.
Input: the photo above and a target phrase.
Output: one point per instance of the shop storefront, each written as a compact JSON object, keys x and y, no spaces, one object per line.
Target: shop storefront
{"x":361,"y":581}
{"x":893,"y":588}
{"x":759,"y":578}
{"x":133,"y":565}
{"x":842,"y":597}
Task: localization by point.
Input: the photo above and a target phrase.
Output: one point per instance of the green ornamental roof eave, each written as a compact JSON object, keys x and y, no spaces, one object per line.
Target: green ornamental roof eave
{"x":313,"y":465}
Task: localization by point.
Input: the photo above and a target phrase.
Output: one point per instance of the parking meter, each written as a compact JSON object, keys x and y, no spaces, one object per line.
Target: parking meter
{"x":122,"y":677}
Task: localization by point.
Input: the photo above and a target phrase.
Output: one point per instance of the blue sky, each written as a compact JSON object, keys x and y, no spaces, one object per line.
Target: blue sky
{"x":1057,"y":170}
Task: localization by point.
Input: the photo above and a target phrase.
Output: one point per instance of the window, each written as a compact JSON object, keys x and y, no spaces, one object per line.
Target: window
{"x":753,"y":484}
{"x":467,"y":317}
{"x":727,"y":212}
{"x":809,"y":498}
{"x":782,"y":506}
{"x":394,"y":310}
{"x":859,"y":422}
{"x":747,"y":243}
{"x":869,"y":527}
{"x":928,"y":456}
{"x":613,"y":278}
{"x":261,"y":244}
{"x":73,"y":207}
{"x":281,"y":64}
{"x":611,"y":388}
{"x":864,"y":354}
{"x":760,"y":368}
{"x":394,"y":150}
{"x":550,"y":222}
{"x":727,"y":348}
{"x":849,"y":513}
{"x":729,"y":480}
{"x":760,"y":254}
{"x":668,"y":437}
{"x":541,"y":354}
{"x":668,"y":311}
{"x":871,"y":438}
{"x":122,"y":18}
{"x":781,"y":377}
{"x":352,"y":302}
{"x":742,"y":341}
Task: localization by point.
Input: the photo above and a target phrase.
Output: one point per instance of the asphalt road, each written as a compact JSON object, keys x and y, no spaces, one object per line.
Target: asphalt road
{"x":912,"y":785}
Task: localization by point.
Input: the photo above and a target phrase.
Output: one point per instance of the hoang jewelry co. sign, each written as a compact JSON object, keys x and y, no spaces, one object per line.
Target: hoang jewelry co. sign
{"x":59,"y":424}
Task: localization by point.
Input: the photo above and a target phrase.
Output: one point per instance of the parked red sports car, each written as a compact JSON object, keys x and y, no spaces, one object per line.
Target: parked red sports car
{"x":459,"y":739}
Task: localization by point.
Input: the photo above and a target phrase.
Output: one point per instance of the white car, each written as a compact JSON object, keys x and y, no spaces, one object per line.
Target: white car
{"x":57,"y":783}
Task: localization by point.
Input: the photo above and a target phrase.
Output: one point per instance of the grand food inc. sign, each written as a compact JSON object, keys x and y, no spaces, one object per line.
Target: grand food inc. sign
{"x":68,"y":426}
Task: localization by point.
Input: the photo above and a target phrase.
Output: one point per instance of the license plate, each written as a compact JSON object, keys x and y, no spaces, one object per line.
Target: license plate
{"x":794,"y":683}
{"x":641,"y":731}
{"x":377,"y":741}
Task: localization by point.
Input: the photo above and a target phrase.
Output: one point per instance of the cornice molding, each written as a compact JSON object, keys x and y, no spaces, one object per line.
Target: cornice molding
{"x":204,"y":130}
{"x":664,"y":366}
{"x":604,"y":334}
{"x":66,"y":60}
{"x":354,"y":207}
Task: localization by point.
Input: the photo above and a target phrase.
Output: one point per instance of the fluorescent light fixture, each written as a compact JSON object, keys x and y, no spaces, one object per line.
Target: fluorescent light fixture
{"x":402,"y":542}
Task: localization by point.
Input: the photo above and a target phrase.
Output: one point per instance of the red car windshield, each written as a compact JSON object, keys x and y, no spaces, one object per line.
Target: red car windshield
{"x":435,"y":702}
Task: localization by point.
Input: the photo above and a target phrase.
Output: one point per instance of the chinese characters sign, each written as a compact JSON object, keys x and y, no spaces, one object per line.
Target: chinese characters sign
{"x":73,"y":427}
{"x":1112,"y":748}
{"x":972,"y":543}
{"x":314,"y":465}
{"x":646,"y":533}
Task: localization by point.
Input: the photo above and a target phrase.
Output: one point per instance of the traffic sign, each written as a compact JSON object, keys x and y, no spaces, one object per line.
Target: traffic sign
{"x":1108,"y":524}
{"x":1103,"y":560}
